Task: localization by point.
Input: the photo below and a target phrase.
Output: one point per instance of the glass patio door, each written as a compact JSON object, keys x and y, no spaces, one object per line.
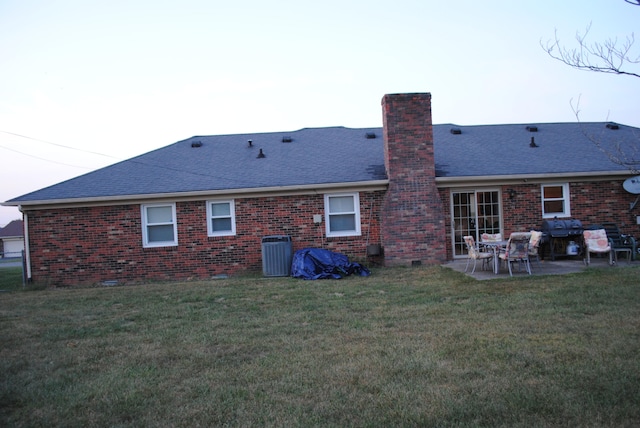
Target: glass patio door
{"x":474,"y":212}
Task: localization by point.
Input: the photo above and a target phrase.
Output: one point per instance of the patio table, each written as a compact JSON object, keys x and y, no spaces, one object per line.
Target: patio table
{"x":495,"y":246}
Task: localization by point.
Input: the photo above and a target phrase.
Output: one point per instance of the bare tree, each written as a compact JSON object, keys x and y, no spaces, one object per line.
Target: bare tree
{"x":623,"y":152}
{"x":611,"y":56}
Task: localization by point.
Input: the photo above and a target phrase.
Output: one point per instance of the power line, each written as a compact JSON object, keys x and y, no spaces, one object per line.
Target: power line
{"x":112,"y":157}
{"x":58,"y":145}
{"x":46,"y":160}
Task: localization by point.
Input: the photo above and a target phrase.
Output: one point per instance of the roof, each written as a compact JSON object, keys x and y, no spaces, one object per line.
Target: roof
{"x":12,"y":230}
{"x":322,"y":156}
{"x":506,"y":150}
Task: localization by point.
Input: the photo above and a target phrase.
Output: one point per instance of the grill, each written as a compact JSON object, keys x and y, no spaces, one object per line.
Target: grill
{"x":556,"y":234}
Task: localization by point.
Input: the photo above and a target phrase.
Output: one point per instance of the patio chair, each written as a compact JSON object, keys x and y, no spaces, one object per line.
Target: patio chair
{"x":475,"y":254}
{"x":534,"y":246}
{"x":491,"y":237}
{"x":517,"y":251}
{"x":596,"y":241}
{"x":620,"y":242}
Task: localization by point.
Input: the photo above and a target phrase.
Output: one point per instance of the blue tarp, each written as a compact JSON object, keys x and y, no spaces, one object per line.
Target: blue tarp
{"x":316,"y":263}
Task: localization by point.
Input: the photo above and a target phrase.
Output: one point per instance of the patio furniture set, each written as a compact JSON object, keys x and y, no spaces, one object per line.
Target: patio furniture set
{"x":522,"y":247}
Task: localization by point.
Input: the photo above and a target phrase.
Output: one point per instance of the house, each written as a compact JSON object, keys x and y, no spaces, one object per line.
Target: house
{"x":12,"y":240}
{"x":200,"y":207}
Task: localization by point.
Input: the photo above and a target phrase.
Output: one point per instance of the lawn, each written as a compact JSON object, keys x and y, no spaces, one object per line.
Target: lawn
{"x":403,"y":347}
{"x":10,"y":278}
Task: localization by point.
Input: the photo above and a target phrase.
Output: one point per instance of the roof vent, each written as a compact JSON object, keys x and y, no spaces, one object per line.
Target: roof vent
{"x":532,"y":128}
{"x":250,"y":143}
{"x":533,"y":143}
{"x":287,"y":139}
{"x":196,"y":144}
{"x":612,"y":126}
{"x":456,"y":131}
{"x":260,"y":155}
{"x":370,"y":135}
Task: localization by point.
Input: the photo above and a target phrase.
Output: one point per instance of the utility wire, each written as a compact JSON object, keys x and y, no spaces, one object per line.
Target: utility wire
{"x":46,"y":160}
{"x":59,"y":145}
{"x":112,"y":157}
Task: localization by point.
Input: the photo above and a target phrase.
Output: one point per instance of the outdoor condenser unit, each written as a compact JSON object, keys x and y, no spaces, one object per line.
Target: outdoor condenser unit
{"x":276,"y":255}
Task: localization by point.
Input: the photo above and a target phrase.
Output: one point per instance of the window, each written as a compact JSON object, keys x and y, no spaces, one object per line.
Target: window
{"x":555,"y":200}
{"x":221,"y":218}
{"x":342,"y":214}
{"x":159,"y":225}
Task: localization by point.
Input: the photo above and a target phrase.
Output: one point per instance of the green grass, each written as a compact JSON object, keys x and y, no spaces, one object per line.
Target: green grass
{"x":10,"y":278}
{"x":404,"y":347}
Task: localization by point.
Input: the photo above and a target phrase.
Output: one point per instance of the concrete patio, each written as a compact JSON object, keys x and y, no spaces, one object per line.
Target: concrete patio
{"x":546,"y":267}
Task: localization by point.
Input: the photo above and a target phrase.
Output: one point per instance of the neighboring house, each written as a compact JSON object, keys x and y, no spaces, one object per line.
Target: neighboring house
{"x":200,"y":207}
{"x":12,"y":240}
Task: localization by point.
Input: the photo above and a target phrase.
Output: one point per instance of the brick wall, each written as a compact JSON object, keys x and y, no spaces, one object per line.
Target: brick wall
{"x":90,"y":245}
{"x":413,"y":227}
{"x":591,"y":203}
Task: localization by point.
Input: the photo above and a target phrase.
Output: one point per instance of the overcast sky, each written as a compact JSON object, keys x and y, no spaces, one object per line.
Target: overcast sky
{"x":84,"y":84}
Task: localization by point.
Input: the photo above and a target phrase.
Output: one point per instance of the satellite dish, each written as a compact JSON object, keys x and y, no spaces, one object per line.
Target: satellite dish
{"x":632,"y":185}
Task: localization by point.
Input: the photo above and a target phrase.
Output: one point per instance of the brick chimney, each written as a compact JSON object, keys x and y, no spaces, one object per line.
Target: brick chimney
{"x":413,"y":225}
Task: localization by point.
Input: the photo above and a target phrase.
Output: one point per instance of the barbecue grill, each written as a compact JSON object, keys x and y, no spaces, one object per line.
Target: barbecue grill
{"x":557,"y":234}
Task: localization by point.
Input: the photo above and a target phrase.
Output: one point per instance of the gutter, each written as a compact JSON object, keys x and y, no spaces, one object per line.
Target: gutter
{"x":487,"y":180}
{"x":27,"y":251}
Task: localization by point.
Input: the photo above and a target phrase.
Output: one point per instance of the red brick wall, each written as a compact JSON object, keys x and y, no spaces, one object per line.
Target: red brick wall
{"x":591,"y":203}
{"x":90,"y":245}
{"x":413,"y":227}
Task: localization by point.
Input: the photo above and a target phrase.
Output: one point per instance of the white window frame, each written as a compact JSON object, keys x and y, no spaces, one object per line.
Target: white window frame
{"x":565,"y":198}
{"x":146,"y":225}
{"x":232,"y":216}
{"x":355,"y":212}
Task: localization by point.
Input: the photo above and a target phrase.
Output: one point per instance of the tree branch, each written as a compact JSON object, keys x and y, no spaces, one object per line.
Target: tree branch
{"x":626,"y":154}
{"x":608,"y":57}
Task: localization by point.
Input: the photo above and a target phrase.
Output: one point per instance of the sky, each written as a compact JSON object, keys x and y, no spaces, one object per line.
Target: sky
{"x":84,"y":84}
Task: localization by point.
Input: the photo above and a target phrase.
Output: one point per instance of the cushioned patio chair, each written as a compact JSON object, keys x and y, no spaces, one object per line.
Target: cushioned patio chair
{"x":517,"y":251}
{"x":475,"y":254}
{"x":534,"y":246}
{"x":597,"y":242}
{"x":491,"y":237}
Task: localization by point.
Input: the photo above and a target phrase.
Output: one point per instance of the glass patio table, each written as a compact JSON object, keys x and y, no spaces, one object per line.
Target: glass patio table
{"x":495,"y":246}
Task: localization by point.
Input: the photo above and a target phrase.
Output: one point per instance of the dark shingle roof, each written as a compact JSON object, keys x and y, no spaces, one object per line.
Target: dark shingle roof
{"x":341,"y":155}
{"x":506,"y":149}
{"x":12,"y":230}
{"x":313,"y":156}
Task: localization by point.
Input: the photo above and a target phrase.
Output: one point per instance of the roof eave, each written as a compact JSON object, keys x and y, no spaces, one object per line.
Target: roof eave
{"x":489,"y":180}
{"x":185,"y":196}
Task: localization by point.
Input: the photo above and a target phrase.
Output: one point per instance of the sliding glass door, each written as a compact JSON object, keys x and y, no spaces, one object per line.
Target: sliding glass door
{"x":474,"y":212}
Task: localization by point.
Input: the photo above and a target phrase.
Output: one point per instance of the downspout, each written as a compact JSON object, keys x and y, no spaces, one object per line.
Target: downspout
{"x":27,"y":253}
